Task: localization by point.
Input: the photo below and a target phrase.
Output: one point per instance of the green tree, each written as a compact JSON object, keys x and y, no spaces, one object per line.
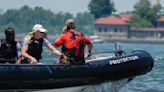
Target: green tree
{"x":155,"y":11}
{"x":84,"y":22}
{"x":100,"y":8}
{"x":142,"y":8}
{"x":23,"y":19}
{"x":60,"y":19}
{"x":139,"y":22}
{"x":146,"y":10}
{"x":162,"y":12}
{"x":1,"y":11}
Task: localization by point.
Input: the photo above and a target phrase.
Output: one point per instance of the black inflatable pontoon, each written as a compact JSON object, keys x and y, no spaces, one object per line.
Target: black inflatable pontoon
{"x":23,"y":76}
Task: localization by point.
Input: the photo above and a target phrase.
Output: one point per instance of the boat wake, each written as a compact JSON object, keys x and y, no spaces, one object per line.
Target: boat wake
{"x":158,"y":58}
{"x":114,"y":86}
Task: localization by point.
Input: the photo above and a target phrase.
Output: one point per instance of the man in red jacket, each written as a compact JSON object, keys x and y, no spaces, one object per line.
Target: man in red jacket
{"x":73,"y":44}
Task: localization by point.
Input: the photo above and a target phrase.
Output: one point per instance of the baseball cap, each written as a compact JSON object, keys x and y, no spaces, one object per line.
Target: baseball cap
{"x":70,"y":23}
{"x":43,"y":30}
{"x":39,"y":27}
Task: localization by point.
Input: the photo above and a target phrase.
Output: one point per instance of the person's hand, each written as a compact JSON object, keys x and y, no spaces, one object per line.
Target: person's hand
{"x":18,"y":62}
{"x":33,"y":61}
{"x":89,"y":55}
{"x":60,"y":57}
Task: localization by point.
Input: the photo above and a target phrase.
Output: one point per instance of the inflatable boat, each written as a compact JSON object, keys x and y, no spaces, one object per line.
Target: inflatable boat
{"x":44,"y":76}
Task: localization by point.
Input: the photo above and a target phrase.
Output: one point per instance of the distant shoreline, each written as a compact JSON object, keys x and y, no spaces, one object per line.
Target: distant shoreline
{"x":135,"y":41}
{"x":125,"y":40}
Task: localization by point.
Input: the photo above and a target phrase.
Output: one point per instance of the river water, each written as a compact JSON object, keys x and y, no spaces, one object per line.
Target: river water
{"x":151,"y":82}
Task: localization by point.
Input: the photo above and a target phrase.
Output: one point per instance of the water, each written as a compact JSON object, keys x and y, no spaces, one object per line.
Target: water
{"x":151,"y":82}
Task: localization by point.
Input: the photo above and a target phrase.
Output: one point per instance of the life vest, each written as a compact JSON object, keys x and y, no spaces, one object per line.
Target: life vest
{"x":75,"y":54}
{"x":35,"y":48}
{"x":8,"y":51}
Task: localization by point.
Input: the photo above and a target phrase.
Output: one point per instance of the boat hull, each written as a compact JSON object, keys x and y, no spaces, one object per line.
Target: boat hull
{"x":25,"y":76}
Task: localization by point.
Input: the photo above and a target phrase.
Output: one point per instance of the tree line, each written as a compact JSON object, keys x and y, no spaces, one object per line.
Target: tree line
{"x":146,"y":14}
{"x":23,"y":19}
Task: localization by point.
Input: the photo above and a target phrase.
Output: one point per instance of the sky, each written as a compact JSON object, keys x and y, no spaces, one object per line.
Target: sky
{"x":72,"y":6}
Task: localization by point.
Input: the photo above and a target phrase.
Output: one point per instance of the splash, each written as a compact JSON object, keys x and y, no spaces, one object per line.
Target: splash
{"x":114,"y":86}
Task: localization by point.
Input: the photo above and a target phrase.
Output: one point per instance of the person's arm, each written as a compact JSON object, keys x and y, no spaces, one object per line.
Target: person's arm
{"x":27,"y":56}
{"x":90,"y":49}
{"x":18,"y":53}
{"x":52,"y":48}
{"x":59,"y":41}
{"x":24,"y":53}
{"x":90,"y":46}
